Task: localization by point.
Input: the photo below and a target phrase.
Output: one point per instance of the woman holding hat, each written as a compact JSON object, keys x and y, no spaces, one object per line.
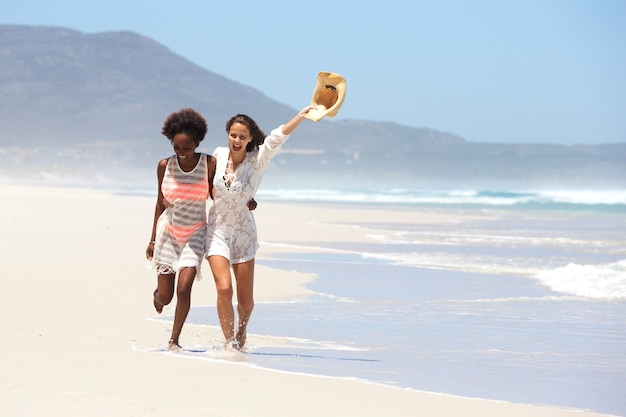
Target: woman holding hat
{"x":231,"y":236}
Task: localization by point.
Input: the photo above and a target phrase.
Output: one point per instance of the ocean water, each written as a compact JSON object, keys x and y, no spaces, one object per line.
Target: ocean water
{"x":526,"y":304}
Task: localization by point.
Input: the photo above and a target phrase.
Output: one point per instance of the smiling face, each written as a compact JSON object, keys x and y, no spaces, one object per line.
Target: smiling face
{"x":238,"y":138}
{"x":184,"y":146}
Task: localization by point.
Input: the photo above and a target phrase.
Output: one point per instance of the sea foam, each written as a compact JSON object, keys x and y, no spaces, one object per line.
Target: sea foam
{"x":606,"y":281}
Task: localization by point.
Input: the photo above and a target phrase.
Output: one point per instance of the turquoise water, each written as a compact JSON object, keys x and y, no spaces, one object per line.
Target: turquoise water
{"x":540,"y":199}
{"x":611,"y":200}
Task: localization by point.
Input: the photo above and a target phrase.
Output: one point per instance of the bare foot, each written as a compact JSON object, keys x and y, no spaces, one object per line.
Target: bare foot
{"x":232,"y":344}
{"x":158,"y":306}
{"x":174,"y":346}
{"x":240,"y":338}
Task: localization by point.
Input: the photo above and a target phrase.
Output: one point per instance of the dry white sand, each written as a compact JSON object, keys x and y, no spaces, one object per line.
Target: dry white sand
{"x":76,"y":297}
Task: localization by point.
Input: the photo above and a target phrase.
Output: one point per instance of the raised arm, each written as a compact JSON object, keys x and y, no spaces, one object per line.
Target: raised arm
{"x":275,"y":140}
{"x":291,"y":125}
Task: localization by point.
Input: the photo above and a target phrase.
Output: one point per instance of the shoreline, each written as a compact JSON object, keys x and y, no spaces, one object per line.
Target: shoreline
{"x":79,"y":298}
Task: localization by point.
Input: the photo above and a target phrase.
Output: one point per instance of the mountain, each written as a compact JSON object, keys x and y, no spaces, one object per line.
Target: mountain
{"x":89,"y":107}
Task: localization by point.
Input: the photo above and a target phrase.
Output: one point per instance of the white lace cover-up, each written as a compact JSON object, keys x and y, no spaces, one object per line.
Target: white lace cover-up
{"x":181,"y":228}
{"x":231,"y":227}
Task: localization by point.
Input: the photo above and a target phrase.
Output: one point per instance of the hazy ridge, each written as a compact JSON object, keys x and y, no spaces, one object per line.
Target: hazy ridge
{"x":89,"y":108}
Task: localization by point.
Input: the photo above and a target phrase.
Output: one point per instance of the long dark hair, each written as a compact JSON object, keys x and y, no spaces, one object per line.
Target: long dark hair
{"x":258,"y":137}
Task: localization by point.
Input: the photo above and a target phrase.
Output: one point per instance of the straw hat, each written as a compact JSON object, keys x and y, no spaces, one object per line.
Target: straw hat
{"x":328,"y":96}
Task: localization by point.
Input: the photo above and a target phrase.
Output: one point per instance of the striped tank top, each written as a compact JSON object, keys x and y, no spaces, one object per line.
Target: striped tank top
{"x":181,"y":228}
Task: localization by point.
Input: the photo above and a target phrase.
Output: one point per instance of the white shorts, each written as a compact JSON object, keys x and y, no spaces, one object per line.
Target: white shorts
{"x":238,"y":248}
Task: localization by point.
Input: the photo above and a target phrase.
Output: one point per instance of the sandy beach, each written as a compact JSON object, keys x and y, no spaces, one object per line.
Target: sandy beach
{"x":77,"y":313}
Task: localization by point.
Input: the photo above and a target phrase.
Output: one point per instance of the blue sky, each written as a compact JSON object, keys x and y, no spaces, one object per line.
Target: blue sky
{"x":518,"y":71}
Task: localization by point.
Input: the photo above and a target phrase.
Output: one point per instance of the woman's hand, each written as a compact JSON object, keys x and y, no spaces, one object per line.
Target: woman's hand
{"x":251,"y":204}
{"x":305,"y":110}
{"x":150,"y":251}
{"x":291,"y":125}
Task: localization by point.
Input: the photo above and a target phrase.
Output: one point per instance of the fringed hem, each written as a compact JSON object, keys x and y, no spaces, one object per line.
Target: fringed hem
{"x":169,"y":269}
{"x":164,"y":269}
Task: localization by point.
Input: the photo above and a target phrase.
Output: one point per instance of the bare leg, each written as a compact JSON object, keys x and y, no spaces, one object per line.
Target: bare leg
{"x":244,"y":274}
{"x":224,"y":286}
{"x":186,"y":278}
{"x":164,"y":293}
